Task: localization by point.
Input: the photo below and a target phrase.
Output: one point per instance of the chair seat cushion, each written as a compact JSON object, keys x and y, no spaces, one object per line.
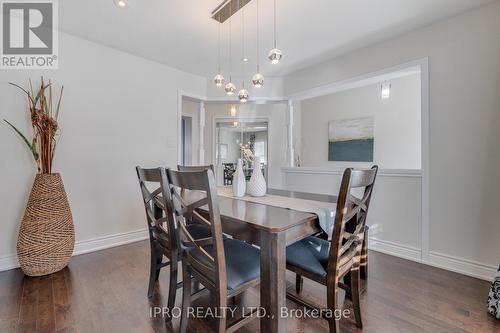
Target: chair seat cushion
{"x":310,"y":254}
{"x":199,"y":231}
{"x":242,"y":262}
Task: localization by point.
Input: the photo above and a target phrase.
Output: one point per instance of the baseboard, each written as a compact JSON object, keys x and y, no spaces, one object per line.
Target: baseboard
{"x":87,"y":246}
{"x":454,"y":264}
{"x":395,"y":249}
{"x":462,"y":266}
{"x":105,"y":242}
{"x":444,"y":261}
{"x":8,"y":262}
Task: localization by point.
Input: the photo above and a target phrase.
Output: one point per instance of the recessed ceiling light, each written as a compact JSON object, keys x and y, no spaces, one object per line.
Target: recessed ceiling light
{"x":245,"y":59}
{"x":121,"y":3}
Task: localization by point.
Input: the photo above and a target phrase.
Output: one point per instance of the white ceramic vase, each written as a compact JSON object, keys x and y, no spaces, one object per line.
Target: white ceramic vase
{"x":257,"y":187}
{"x":239,"y":184}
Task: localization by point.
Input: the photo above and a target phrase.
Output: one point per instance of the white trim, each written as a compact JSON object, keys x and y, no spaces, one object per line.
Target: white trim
{"x":409,"y":68}
{"x":105,"y":242}
{"x":458,"y":265}
{"x":463,"y":266}
{"x":254,"y":100}
{"x":290,"y":128}
{"x":201,"y":127}
{"x":407,"y":173}
{"x":87,"y":246}
{"x":394,"y":249}
{"x":8,"y":262}
{"x":189,"y":96}
{"x":425,"y":136}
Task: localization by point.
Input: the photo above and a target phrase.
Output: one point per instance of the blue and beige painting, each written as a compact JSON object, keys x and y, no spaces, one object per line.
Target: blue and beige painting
{"x":351,"y":140}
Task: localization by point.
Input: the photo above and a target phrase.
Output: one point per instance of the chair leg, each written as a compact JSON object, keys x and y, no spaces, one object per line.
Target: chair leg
{"x":355,"y":296}
{"x":364,"y":258}
{"x":153,"y":270}
{"x":221,"y":320}
{"x":172,"y":287}
{"x":332,"y":301}
{"x":299,"y":281}
{"x":186,"y":296}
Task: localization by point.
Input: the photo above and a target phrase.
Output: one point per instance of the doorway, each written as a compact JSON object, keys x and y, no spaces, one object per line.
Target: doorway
{"x":243,"y":140}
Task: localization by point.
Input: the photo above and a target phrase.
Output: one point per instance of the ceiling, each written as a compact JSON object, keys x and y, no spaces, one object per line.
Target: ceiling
{"x":181,"y":34}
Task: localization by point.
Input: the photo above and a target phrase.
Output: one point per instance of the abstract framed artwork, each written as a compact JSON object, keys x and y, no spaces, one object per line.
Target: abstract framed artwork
{"x":351,"y":140}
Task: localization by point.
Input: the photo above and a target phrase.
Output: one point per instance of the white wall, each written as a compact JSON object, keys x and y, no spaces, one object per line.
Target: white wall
{"x":277,"y":133}
{"x":118,"y":111}
{"x":464,"y":65}
{"x":192,"y":109}
{"x":397,"y":129}
{"x":395,"y":212}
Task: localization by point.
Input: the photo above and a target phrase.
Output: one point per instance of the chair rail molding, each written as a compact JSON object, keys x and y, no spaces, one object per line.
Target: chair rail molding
{"x":339,"y":171}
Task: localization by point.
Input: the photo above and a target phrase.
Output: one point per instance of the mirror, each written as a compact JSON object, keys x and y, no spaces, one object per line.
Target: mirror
{"x":245,"y":140}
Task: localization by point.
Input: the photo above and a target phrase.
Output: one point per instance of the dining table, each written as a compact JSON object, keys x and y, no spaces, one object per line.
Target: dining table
{"x":272,"y":228}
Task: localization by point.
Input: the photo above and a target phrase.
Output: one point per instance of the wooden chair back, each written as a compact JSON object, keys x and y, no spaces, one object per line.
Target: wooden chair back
{"x":195,"y":167}
{"x":191,"y":190}
{"x":155,"y":193}
{"x":350,"y":219}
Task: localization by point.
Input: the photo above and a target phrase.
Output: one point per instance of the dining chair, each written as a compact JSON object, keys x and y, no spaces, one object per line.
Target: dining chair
{"x":162,"y":236}
{"x":327,"y":262}
{"x":227,"y":267}
{"x":195,"y":167}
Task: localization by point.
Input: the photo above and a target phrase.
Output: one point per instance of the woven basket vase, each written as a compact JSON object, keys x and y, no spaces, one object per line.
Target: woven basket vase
{"x":47,"y":235}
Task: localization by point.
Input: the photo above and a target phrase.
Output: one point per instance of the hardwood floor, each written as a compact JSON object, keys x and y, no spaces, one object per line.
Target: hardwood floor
{"x":106,"y":292}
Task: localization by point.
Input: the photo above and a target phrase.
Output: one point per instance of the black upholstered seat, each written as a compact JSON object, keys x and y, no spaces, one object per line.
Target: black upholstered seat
{"x":310,"y":254}
{"x":199,"y":231}
{"x":242,"y":261}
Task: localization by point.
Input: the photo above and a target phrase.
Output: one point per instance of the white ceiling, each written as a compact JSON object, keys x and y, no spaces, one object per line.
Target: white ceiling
{"x":181,"y":34}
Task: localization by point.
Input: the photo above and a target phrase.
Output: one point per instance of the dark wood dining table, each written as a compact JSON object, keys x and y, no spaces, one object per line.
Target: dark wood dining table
{"x":273,"y":229}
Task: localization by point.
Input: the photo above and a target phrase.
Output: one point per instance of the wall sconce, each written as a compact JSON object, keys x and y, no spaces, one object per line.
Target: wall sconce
{"x":385,"y":90}
{"x":232,"y":110}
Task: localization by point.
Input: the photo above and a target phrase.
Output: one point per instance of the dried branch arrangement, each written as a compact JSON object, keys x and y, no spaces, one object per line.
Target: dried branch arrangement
{"x":44,"y":115}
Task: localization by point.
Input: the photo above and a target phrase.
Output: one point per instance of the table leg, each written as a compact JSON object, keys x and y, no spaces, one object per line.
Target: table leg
{"x":272,"y":283}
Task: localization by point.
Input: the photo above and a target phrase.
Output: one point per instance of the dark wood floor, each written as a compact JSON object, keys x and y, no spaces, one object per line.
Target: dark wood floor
{"x":106,"y":292}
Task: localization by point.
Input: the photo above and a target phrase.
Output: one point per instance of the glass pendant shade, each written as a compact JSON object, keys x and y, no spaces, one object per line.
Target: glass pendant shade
{"x":258,"y":80}
{"x":275,"y":56}
{"x":219,"y":80}
{"x":230,"y":88}
{"x":243,"y":95}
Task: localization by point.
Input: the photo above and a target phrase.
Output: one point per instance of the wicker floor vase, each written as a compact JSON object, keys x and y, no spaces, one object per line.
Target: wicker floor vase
{"x":47,"y":235}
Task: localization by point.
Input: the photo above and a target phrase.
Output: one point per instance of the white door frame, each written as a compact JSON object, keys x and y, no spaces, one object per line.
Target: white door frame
{"x":180,"y":96}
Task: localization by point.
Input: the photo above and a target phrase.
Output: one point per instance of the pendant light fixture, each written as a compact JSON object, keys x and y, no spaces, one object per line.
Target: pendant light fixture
{"x":230,"y":88}
{"x":243,"y":55}
{"x":243,"y":94}
{"x":258,"y":78}
{"x":219,"y":78}
{"x":275,"y":54}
